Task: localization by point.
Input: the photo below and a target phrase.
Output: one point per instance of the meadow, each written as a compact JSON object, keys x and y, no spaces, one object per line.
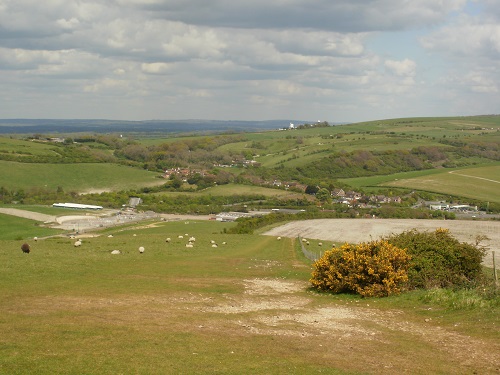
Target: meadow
{"x":235,"y":189}
{"x":12,"y":228}
{"x":481,"y":183}
{"x":242,"y":307}
{"x":246,"y":305}
{"x":84,"y":177}
{"x":22,"y":147}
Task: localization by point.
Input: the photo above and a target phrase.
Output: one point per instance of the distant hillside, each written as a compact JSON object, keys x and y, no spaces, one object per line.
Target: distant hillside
{"x":44,"y":126}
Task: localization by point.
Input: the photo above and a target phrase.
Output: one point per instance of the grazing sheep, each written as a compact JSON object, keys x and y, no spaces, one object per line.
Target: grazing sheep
{"x":116,"y":252}
{"x":186,"y":234}
{"x":141,"y":249}
{"x":307,"y":243}
{"x":110,"y":236}
{"x":168,"y":239}
{"x":224,"y":243}
{"x":192,"y":239}
{"x":214,"y":245}
{"x":279,"y":238}
{"x":35,"y":238}
{"x":135,"y":235}
{"x":304,"y":240}
{"x":25,"y":248}
{"x":212,"y":242}
{"x":189,"y":245}
{"x":320,"y":243}
{"x":180,"y":236}
{"x":78,"y":243}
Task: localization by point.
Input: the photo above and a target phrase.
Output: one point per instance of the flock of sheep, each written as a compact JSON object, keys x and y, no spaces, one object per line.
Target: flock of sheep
{"x":25,"y":247}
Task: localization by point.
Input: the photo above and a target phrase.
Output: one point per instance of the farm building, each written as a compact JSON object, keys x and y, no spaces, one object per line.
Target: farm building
{"x":77,"y":206}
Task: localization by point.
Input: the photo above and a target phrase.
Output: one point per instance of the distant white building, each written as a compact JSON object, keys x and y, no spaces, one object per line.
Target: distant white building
{"x":292,"y":126}
{"x":77,"y":206}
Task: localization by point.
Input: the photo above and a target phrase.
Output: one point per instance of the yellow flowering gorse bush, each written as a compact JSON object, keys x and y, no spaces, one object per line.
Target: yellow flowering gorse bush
{"x":371,"y":269}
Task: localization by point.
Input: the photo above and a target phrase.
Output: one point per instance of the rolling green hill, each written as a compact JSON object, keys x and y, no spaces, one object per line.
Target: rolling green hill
{"x":75,"y":177}
{"x":481,"y":183}
{"x":360,"y":155}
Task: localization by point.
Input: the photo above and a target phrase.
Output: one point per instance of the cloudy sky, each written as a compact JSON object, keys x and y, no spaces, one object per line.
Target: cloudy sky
{"x":334,"y":60}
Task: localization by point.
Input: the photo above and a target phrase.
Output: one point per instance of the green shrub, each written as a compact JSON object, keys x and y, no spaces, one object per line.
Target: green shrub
{"x":439,"y":260}
{"x":372,"y":269}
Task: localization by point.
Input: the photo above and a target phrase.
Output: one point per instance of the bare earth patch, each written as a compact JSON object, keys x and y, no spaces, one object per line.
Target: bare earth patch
{"x":284,"y":309}
{"x":361,"y":230}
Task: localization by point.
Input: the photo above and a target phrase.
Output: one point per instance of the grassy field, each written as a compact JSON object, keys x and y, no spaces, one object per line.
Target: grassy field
{"x":243,"y":307}
{"x":235,"y":189}
{"x":13,"y":228}
{"x":295,"y":148}
{"x":23,"y":147}
{"x":75,"y":177}
{"x":48,"y":210}
{"x":478,"y":183}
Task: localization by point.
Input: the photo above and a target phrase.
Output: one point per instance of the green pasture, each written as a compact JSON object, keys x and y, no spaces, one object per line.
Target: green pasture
{"x":482,"y":183}
{"x":374,"y":181}
{"x":206,"y":310}
{"x":12,"y":228}
{"x":48,"y":210}
{"x":23,"y":147}
{"x":234,"y":189}
{"x":75,"y":177}
{"x":82,"y":310}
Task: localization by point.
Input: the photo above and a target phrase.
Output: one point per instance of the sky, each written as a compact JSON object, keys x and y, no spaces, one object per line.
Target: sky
{"x":327,"y":60}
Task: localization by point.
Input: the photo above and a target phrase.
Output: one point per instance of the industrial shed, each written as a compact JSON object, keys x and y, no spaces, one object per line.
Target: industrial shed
{"x":77,"y":206}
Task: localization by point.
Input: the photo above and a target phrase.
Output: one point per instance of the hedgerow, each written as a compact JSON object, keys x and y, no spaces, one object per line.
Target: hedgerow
{"x":371,"y":269}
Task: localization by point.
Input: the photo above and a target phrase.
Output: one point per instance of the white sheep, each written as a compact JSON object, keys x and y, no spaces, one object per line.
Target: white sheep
{"x":320,"y":243}
{"x":181,"y":236}
{"x":279,"y":238}
{"x":78,"y":243}
{"x":214,"y":245}
{"x":141,"y":249}
{"x":304,"y":240}
{"x":189,"y":245}
{"x":116,"y":252}
{"x":224,"y":243}
{"x":212,"y":242}
{"x":168,"y":239}
{"x":35,"y":238}
{"x":192,"y":239}
{"x":110,"y":236}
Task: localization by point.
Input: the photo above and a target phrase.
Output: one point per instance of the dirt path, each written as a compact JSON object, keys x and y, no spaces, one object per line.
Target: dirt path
{"x":360,"y":230}
{"x":353,"y":335}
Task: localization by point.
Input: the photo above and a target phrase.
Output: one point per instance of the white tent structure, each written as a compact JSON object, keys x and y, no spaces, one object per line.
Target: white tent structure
{"x":77,"y":206}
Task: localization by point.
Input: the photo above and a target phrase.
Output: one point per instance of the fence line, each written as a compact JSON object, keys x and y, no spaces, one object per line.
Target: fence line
{"x":312,"y":256}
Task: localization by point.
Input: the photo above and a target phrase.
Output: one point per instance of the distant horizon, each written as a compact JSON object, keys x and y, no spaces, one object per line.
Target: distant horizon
{"x":229,"y":120}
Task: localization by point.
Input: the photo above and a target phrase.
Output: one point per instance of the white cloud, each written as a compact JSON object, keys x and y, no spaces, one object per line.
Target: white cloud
{"x":155,"y":68}
{"x":263,"y":59}
{"x":470,"y":37}
{"x":404,"y":68}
